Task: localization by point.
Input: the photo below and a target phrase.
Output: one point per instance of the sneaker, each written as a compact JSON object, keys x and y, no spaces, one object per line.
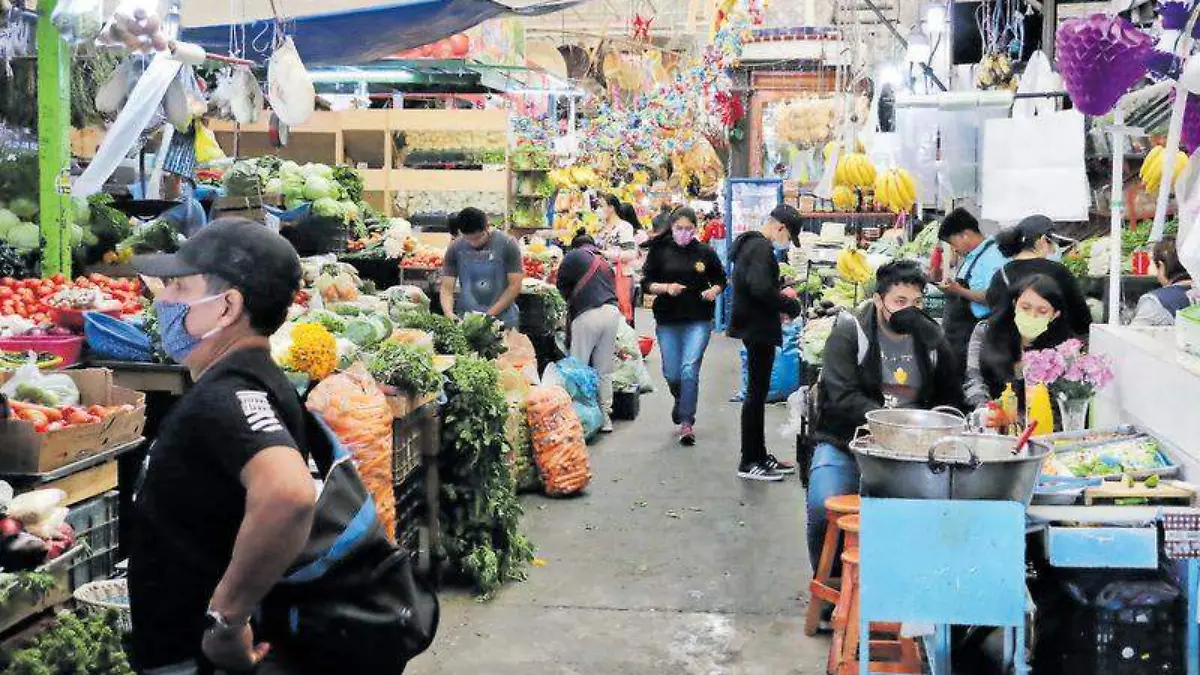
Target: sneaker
{"x":778,"y":466}
{"x":758,"y":471}
{"x":607,"y":427}
{"x":686,"y":435}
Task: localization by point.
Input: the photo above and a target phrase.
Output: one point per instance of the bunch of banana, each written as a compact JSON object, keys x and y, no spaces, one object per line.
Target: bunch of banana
{"x":854,"y":170}
{"x":1152,"y":168}
{"x":852,"y":266}
{"x":560,"y":178}
{"x":896,"y":190}
{"x":828,"y":151}
{"x":844,"y":198}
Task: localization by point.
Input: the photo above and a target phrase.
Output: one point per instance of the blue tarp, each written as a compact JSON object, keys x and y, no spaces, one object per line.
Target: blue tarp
{"x":365,"y":35}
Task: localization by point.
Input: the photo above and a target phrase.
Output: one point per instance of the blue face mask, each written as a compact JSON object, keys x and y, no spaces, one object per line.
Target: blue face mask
{"x":1056,"y":254}
{"x":177,"y":342}
{"x":781,"y":250}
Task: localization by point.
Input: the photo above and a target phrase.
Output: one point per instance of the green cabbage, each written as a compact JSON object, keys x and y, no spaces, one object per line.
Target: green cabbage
{"x":25,"y":237}
{"x":24,"y":208}
{"x":82,"y":210}
{"x":76,"y":234}
{"x":326,"y":207}
{"x":274,"y":187}
{"x":361,"y":332}
{"x":8,"y":220}
{"x":316,"y":187}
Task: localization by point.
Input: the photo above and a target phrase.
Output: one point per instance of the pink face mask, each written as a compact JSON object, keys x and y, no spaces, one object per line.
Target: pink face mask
{"x":683,"y":237}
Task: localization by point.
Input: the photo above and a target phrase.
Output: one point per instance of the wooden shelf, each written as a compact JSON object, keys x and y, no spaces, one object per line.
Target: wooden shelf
{"x":421,"y":179}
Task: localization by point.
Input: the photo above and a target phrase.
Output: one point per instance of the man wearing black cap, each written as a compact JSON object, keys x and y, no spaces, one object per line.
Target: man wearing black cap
{"x":226,"y":500}
{"x":758,"y":303}
{"x":966,"y":295}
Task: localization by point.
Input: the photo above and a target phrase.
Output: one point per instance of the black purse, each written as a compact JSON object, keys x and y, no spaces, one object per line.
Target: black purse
{"x":351,"y":602}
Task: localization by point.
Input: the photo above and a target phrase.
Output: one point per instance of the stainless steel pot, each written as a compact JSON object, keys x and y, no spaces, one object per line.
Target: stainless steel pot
{"x":912,"y":432}
{"x":965,"y":466}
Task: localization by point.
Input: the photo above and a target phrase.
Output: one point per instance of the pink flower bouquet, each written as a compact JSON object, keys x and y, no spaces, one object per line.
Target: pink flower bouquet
{"x":1069,"y":372}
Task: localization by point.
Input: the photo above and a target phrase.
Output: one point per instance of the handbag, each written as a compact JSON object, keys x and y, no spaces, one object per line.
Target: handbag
{"x":351,"y":602}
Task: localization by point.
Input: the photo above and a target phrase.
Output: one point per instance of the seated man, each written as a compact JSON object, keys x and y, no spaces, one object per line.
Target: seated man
{"x":888,"y":355}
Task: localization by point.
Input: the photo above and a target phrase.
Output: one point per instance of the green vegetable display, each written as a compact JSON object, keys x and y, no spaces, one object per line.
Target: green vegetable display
{"x":90,"y":645}
{"x":484,"y":334}
{"x":447,"y":334}
{"x":33,"y":584}
{"x":405,"y":367}
{"x":480,"y":512}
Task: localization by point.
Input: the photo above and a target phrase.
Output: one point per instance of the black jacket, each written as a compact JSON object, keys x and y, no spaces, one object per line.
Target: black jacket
{"x":757,"y":302}
{"x":852,"y":386}
{"x":696,"y":266}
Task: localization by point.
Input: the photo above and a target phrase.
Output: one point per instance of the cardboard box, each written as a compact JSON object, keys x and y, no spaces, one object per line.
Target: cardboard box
{"x":24,"y":451}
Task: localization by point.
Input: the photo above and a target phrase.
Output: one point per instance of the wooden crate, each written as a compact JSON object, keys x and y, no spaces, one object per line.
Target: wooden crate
{"x":1175,"y":492}
{"x":22,"y":607}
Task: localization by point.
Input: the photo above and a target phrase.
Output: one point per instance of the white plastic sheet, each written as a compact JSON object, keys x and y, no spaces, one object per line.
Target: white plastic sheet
{"x":1035,"y":165}
{"x":137,"y":113}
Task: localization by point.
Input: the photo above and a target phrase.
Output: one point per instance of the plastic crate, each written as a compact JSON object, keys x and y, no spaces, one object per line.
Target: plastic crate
{"x":410,"y":511}
{"x":96,"y":523}
{"x":626,"y":405}
{"x":408,"y":439}
{"x":1129,"y":628}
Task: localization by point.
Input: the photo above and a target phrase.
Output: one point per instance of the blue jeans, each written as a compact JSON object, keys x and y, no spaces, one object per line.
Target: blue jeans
{"x":682,"y":346}
{"x":833,"y":472}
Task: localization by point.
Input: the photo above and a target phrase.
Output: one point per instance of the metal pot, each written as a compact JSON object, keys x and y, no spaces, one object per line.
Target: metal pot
{"x":912,"y":432}
{"x":965,"y":466}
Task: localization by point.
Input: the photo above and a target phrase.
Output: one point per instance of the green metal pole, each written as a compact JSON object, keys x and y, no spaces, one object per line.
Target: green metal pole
{"x":54,"y":143}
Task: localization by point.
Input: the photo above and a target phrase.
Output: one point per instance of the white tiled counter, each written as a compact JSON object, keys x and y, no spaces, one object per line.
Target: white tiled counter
{"x":1154,"y":388}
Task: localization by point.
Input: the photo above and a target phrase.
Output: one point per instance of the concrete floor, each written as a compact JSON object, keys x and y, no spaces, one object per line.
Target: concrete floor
{"x":669,"y":563}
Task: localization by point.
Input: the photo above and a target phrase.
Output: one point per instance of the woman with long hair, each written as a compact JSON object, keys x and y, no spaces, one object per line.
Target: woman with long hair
{"x":686,"y":277}
{"x":1035,"y":317}
{"x":1158,"y":307}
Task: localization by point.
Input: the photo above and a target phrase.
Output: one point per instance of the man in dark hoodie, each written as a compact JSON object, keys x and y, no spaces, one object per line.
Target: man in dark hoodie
{"x":889,"y":355}
{"x":759,"y":300}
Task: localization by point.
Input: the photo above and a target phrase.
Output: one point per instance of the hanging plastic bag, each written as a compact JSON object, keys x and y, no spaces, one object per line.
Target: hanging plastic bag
{"x":28,"y":383}
{"x":207,"y":148}
{"x":289,"y":86}
{"x":125,"y":131}
{"x":136,"y":25}
{"x":78,"y":21}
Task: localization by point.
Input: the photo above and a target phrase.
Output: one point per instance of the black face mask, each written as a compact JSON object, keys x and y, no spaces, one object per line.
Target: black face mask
{"x":914,"y":321}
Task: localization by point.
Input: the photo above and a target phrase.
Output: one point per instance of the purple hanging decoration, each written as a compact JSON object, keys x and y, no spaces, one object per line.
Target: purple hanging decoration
{"x":1164,"y":64}
{"x":1174,"y":14}
{"x":1100,"y":58}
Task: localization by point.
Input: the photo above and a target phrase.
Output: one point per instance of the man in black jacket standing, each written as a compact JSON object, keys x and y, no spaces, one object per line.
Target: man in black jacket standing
{"x":889,"y":355}
{"x":759,"y":301}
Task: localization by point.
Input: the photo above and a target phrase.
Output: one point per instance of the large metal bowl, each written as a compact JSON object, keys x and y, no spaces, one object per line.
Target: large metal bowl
{"x":912,"y":432}
{"x":964,"y":466}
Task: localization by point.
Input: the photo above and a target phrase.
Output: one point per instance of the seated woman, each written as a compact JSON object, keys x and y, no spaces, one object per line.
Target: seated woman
{"x":1035,"y":317}
{"x":1032,"y":247}
{"x":1158,"y":307}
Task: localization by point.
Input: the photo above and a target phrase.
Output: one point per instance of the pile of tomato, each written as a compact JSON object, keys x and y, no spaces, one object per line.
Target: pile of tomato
{"x":27,"y":298}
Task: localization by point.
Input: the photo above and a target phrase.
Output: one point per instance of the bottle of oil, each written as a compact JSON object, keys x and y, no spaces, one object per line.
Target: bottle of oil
{"x":1008,"y":405}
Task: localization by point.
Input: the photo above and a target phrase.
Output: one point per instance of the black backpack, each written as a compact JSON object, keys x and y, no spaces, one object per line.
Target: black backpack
{"x":350,"y":603}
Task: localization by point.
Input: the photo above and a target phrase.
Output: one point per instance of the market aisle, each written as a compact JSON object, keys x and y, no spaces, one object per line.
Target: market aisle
{"x":669,"y":564}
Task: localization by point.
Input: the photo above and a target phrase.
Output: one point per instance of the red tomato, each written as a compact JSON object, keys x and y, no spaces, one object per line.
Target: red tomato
{"x":58,"y":279}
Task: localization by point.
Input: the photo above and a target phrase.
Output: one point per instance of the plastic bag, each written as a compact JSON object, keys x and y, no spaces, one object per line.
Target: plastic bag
{"x":289,"y":86}
{"x":207,"y":148}
{"x":797,"y":406}
{"x":520,"y":355}
{"x":125,"y":131}
{"x":136,"y":25}
{"x":559,"y":449}
{"x":29,"y":383}
{"x":78,"y":21}
{"x":591,"y":418}
{"x":581,"y":381}
{"x":785,"y":373}
{"x":358,"y":412}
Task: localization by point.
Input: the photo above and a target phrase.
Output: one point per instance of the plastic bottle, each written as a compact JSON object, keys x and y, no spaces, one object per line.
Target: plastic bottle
{"x":1008,"y":405}
{"x":1037,"y":408}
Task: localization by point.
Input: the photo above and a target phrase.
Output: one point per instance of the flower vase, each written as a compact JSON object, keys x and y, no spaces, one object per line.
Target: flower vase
{"x":1074,"y":412}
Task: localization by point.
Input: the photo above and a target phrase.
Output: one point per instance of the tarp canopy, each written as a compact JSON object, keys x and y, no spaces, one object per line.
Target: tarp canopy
{"x":329,"y":32}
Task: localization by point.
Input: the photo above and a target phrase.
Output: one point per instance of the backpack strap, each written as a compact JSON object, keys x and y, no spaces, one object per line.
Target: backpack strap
{"x":598,"y":262}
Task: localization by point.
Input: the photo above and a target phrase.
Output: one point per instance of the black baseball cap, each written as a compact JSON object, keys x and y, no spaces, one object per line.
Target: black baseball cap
{"x":1033,"y":227}
{"x":246,"y":254}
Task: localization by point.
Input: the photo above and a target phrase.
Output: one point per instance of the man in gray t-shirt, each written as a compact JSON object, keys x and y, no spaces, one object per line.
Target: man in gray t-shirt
{"x":486,"y":264}
{"x":901,"y":376}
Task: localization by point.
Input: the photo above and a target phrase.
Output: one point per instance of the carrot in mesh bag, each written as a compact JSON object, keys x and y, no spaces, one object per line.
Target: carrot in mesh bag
{"x":357,"y":411}
{"x":558,"y":445}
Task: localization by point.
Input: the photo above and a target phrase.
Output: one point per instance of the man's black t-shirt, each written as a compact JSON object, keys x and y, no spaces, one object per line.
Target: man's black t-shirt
{"x":191,"y":501}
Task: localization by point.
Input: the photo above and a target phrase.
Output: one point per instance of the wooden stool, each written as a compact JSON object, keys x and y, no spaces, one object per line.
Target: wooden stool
{"x":849,"y":525}
{"x":823,"y":589}
{"x":889,"y":652}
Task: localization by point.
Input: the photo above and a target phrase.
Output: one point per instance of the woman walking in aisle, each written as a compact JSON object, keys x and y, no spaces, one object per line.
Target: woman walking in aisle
{"x":686,"y":276}
{"x":759,"y":300}
{"x":587,"y":281}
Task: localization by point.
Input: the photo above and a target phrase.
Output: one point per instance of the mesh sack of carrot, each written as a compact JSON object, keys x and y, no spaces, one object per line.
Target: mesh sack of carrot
{"x":559,"y":449}
{"x":357,"y":411}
